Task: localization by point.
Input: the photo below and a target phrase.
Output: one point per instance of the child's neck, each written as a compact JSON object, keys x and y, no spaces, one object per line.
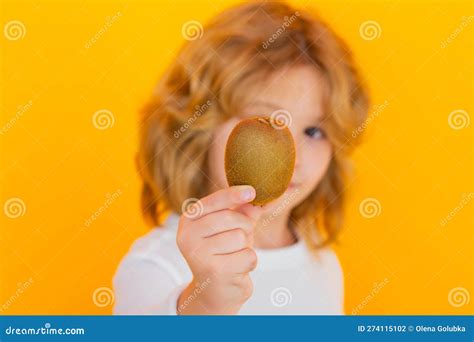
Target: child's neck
{"x":273,"y":232}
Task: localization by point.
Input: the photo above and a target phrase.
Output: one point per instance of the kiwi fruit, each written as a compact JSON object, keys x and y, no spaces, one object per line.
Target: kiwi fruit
{"x":260,"y":152}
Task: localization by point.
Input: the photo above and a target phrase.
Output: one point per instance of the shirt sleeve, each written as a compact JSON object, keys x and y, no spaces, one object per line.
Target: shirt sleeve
{"x":146,"y":287}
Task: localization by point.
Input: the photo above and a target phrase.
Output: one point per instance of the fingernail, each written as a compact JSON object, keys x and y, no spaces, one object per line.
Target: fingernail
{"x":247,"y":194}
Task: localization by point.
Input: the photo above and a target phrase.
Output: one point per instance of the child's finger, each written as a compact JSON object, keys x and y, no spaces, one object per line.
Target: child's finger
{"x":221,"y":221}
{"x":242,"y":261}
{"x":228,"y":242}
{"x":226,"y":198}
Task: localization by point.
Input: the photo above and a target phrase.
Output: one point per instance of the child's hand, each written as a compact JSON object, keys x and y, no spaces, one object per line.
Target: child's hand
{"x":217,"y":245}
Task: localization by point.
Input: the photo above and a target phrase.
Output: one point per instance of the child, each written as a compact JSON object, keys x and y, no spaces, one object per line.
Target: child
{"x":222,"y":255}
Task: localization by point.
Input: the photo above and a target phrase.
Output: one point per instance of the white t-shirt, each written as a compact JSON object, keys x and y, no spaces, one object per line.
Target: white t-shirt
{"x":287,"y":281}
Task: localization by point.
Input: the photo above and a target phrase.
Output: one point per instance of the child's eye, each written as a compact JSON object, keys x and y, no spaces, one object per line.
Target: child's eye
{"x":315,"y":132}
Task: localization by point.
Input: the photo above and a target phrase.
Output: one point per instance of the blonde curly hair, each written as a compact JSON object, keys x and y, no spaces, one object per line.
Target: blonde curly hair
{"x":243,"y":45}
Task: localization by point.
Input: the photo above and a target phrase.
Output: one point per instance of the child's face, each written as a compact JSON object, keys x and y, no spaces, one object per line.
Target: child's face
{"x":299,"y":91}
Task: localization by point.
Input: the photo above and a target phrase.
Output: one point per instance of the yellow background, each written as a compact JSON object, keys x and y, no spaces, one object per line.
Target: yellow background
{"x":62,"y":167}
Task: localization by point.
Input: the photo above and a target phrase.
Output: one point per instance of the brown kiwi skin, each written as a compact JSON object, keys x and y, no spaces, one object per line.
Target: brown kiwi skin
{"x":260,"y":155}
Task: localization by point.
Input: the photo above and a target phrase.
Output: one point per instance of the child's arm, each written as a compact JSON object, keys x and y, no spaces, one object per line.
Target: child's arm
{"x":217,"y":246}
{"x":217,"y":249}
